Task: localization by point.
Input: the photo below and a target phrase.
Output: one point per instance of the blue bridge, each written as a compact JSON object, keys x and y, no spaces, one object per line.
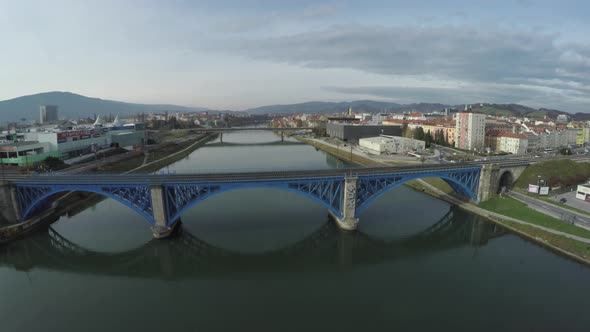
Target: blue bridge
{"x":162,"y":199}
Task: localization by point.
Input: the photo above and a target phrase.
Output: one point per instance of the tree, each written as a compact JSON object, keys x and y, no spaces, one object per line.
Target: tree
{"x":419,"y":134}
{"x":428,"y":138}
{"x":554,"y":181}
{"x":405,"y":130}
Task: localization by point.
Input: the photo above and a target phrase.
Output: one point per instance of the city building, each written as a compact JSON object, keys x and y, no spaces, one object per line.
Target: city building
{"x":470,"y":131}
{"x":513,"y":143}
{"x":583,"y":192}
{"x":498,"y":141}
{"x":446,"y":128}
{"x":391,"y":144}
{"x":353,"y":133}
{"x":47,"y":113}
{"x":22,"y":153}
{"x":74,"y":143}
{"x":561,"y":119}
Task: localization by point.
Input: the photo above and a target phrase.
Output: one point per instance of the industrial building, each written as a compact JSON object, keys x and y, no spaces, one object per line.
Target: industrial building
{"x":73,"y":143}
{"x":353,"y":133}
{"x":392,"y":144}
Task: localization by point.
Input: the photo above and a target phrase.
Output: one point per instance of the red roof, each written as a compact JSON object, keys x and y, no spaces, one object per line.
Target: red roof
{"x":512,"y":135}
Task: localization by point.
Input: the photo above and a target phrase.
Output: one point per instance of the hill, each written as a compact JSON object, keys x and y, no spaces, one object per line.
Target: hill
{"x":368,"y":106}
{"x":74,"y":106}
{"x":516,"y":110}
{"x":371,"y":106}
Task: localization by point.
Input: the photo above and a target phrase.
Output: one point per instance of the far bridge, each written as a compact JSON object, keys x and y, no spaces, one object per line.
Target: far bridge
{"x":162,"y":198}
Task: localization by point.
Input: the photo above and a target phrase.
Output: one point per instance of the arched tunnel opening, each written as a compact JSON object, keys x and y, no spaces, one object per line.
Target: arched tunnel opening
{"x":506,"y":182}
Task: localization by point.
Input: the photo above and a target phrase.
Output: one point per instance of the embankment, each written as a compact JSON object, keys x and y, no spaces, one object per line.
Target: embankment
{"x":563,"y":245}
{"x":74,"y":202}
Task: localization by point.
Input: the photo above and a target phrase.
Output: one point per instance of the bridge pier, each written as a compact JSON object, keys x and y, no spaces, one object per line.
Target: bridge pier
{"x":349,"y":221}
{"x":221,"y":137}
{"x":160,"y":229}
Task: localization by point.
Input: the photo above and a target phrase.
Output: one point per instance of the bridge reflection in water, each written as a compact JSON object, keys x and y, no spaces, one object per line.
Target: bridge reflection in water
{"x":185,"y":256}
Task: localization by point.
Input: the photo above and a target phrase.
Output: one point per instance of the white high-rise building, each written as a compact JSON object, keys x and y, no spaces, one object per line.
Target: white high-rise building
{"x":470,"y":131}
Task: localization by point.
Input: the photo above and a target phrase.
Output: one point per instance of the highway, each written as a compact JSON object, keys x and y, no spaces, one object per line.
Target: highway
{"x":552,"y":210}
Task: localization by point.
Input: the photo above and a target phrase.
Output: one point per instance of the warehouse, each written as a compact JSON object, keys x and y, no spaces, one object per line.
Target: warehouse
{"x":391,"y":144}
{"x":353,"y":133}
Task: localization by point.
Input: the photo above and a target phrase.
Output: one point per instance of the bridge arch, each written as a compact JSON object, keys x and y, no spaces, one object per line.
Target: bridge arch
{"x":371,"y":188}
{"x":326,"y":192}
{"x":135,"y":197}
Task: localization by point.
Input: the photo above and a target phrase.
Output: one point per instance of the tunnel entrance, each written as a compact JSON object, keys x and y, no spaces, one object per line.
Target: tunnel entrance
{"x":506,"y":182}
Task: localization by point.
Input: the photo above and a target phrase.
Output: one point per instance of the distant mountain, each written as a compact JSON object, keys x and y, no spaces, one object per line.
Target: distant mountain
{"x":321,"y":107}
{"x":370,"y":106}
{"x":518,"y":110}
{"x":75,"y":106}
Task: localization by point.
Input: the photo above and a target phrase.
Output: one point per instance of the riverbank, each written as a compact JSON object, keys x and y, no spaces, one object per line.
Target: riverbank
{"x":572,"y":246}
{"x":72,"y":203}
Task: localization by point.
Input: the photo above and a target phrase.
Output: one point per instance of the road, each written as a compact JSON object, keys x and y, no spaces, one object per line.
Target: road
{"x":214,"y":130}
{"x":554,"y":211}
{"x":477,"y":210}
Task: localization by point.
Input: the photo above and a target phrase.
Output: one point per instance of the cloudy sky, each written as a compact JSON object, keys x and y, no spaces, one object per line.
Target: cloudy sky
{"x":239,"y":54}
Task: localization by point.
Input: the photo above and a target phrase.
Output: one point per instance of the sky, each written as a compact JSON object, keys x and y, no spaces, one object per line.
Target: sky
{"x":239,"y":54}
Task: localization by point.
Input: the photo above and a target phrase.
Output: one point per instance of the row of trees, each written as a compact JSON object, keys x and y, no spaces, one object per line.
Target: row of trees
{"x":556,"y":181}
{"x":439,"y":137}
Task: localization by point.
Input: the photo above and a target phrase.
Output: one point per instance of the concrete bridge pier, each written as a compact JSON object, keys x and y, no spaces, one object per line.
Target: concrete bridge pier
{"x":220,"y":137}
{"x":349,"y":222}
{"x":9,"y":213}
{"x":160,"y":230}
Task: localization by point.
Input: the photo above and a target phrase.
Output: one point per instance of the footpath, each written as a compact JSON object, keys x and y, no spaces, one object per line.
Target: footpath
{"x":544,"y":236}
{"x":492,"y":215}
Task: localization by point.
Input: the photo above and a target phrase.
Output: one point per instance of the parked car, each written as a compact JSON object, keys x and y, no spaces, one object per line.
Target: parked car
{"x":562,"y":200}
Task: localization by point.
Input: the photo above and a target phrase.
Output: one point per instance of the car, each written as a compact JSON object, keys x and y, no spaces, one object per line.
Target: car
{"x":562,"y":200}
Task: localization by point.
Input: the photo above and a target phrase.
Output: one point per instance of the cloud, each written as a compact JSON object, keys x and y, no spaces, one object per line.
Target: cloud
{"x":522,"y":65}
{"x":531,"y":95}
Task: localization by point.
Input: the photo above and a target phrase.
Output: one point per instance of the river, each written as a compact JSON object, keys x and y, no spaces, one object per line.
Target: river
{"x":269,"y":260}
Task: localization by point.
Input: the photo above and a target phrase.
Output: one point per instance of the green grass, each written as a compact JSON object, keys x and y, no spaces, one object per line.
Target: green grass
{"x":512,"y":208}
{"x":440,"y":184}
{"x":175,"y":134}
{"x":342,"y":154}
{"x":536,"y":114}
{"x":577,"y":248}
{"x":563,"y":168}
{"x":491,"y":110}
{"x":123,"y":165}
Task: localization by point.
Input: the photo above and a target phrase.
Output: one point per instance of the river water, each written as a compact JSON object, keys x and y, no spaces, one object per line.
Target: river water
{"x":269,"y":260}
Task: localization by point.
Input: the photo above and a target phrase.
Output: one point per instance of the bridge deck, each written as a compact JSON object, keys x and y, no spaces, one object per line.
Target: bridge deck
{"x":231,"y":177}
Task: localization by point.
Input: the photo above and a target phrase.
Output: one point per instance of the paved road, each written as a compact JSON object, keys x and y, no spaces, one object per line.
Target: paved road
{"x":554,"y":211}
{"x":482,"y":212}
{"x":212,"y":130}
{"x":572,"y":201}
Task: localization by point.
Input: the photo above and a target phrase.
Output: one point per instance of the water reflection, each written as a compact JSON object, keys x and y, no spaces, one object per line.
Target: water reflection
{"x":187,"y":256}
